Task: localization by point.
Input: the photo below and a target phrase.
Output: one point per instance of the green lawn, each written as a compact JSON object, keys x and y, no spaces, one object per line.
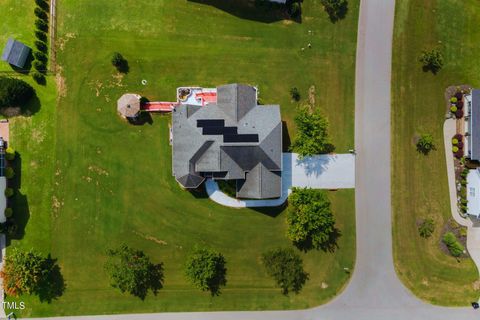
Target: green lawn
{"x":93,"y":181}
{"x":419,"y":183}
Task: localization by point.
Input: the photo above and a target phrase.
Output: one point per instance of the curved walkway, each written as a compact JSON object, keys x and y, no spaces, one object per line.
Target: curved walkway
{"x":329,"y":171}
{"x":374,"y":292}
{"x":473,"y":233}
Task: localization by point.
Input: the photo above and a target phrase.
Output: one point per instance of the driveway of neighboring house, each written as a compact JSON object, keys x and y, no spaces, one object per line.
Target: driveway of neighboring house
{"x":335,"y":171}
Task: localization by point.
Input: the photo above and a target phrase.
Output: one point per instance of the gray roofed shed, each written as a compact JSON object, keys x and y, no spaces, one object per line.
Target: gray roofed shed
{"x":15,"y":53}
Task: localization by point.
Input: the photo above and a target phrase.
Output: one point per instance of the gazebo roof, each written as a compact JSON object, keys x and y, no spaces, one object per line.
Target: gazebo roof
{"x":129,"y":105}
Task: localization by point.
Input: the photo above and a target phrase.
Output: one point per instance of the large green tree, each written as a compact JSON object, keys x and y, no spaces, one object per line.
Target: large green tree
{"x":286,"y":267}
{"x":310,"y":220}
{"x":14,"y":92}
{"x":132,"y":271}
{"x":312,"y":137}
{"x":205,"y":268}
{"x":432,"y":60}
{"x":28,"y":272}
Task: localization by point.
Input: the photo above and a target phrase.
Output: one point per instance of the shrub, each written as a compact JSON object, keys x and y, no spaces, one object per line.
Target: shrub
{"x":41,"y":25}
{"x":40,"y":56}
{"x":41,"y":35}
{"x":458,"y":154}
{"x":336,"y":9}
{"x":431,"y":60}
{"x":41,"y":14}
{"x":458,"y":136}
{"x":463,"y":232}
{"x":295,"y":94}
{"x":453,"y":99}
{"x":459,"y":113}
{"x":10,"y":153}
{"x":426,"y":228}
{"x":453,"y":109}
{"x":8,"y":192}
{"x":39,"y":78}
{"x":42,"y":4}
{"x":425,"y":143}
{"x":119,"y":62}
{"x":40,"y":66}
{"x":454,"y":141}
{"x":459,"y":104}
{"x":9,"y":173}
{"x":459,"y":95}
{"x":14,"y":92}
{"x":460,"y":145}
{"x":456,"y":249}
{"x":8,"y":212}
{"x":286,"y":267}
{"x":294,"y":9}
{"x":455,"y":149}
{"x":205,"y":269}
{"x":41,"y":46}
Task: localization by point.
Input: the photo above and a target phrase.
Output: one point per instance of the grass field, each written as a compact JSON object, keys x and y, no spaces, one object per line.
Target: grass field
{"x":93,"y":181}
{"x":419,"y":183}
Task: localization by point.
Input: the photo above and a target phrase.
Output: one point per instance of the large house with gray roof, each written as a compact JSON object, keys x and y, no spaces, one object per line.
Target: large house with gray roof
{"x":232,"y":139}
{"x":473,"y":125}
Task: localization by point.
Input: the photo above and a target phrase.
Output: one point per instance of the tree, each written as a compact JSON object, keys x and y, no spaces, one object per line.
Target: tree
{"x":9,"y":172}
{"x":41,"y":25}
{"x":336,"y":9}
{"x":41,"y":35}
{"x":39,"y":78}
{"x":40,"y":13}
{"x":310,"y":221}
{"x":286,"y":267}
{"x":41,"y":46}
{"x":425,"y":144}
{"x":432,"y":60}
{"x":14,"y":92}
{"x":10,"y":153}
{"x":205,"y":268}
{"x":295,"y":94}
{"x":456,"y":249}
{"x":426,"y":228}
{"x":42,"y":4}
{"x":119,"y":62}
{"x":8,"y":212}
{"x":295,"y":9}
{"x":132,"y":271}
{"x":312,"y":137}
{"x":23,"y":272}
{"x":8,"y":192}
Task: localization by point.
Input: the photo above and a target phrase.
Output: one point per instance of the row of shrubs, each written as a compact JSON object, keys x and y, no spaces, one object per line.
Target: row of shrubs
{"x":9,"y":227}
{"x":455,"y":248}
{"x":41,"y":46}
{"x":457,"y":146}
{"x":456,"y":104}
{"x":463,"y":202}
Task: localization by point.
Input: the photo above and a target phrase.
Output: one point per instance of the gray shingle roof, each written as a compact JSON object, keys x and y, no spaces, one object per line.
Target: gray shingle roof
{"x":256,"y":164}
{"x":474,"y":139}
{"x":15,"y":53}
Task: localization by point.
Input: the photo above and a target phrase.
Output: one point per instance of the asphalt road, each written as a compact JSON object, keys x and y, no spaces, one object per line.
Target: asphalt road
{"x":374,"y":292}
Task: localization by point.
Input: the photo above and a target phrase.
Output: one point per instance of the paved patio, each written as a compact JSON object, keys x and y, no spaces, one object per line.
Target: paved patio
{"x":319,"y":172}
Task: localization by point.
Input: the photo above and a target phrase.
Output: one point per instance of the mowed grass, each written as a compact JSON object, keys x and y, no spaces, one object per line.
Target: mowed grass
{"x":419,"y":183}
{"x":108,"y":182}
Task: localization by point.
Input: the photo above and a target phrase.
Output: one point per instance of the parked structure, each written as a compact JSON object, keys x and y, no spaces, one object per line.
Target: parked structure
{"x":232,"y":139}
{"x":16,"y":53}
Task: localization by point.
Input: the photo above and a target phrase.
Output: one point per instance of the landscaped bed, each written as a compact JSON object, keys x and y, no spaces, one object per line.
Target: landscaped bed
{"x":94,"y":181}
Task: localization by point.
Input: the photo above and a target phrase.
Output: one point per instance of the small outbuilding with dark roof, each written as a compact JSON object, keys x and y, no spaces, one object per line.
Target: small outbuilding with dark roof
{"x":15,"y":53}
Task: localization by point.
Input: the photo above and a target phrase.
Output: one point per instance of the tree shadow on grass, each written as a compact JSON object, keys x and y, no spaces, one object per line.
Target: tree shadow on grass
{"x":142,"y":119}
{"x":53,"y":286}
{"x":18,"y":202}
{"x":262,"y":11}
{"x":328,"y":246}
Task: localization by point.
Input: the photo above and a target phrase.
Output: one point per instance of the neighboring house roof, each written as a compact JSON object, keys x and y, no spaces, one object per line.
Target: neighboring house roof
{"x":234,"y":139}
{"x":129,"y":105}
{"x":15,"y":53}
{"x":473,"y":192}
{"x":474,"y":126}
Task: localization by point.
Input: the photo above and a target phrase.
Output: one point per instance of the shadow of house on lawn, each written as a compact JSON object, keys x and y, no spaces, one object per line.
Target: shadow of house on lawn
{"x":18,"y":202}
{"x":256,"y":10}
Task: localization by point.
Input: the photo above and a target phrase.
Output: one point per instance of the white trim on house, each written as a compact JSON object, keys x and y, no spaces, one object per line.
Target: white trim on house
{"x":473,"y":192}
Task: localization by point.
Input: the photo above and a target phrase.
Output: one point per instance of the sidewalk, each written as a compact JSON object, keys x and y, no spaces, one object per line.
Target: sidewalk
{"x":473,"y":233}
